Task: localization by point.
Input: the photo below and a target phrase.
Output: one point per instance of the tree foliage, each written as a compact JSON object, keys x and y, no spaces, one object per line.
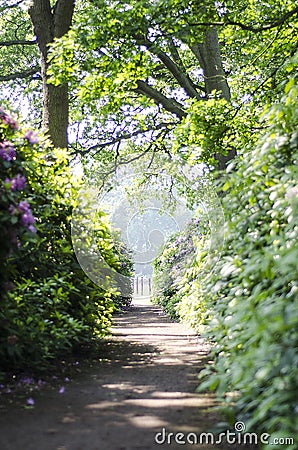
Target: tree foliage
{"x":146,"y":66}
{"x":19,"y":59}
{"x":150,"y":68}
{"x":24,"y":49}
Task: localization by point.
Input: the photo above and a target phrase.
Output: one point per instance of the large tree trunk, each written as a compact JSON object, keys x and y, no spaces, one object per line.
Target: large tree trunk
{"x":50,"y":23}
{"x":208,"y":54}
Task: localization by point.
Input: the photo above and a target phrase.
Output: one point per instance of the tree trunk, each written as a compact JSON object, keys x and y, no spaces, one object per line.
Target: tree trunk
{"x":50,"y":23}
{"x":208,"y":54}
{"x":210,"y":60}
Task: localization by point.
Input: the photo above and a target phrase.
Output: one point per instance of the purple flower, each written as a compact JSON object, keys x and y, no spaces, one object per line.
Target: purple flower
{"x":7,"y":151}
{"x":26,"y":380}
{"x":178,"y":240}
{"x":62,"y":390}
{"x":17,"y":183}
{"x":13,"y":123}
{"x":32,"y":229}
{"x":8,"y":120}
{"x":24,"y":206}
{"x":31,"y":137}
{"x":30,"y":401}
{"x":12,"y":210}
{"x":27,"y":219}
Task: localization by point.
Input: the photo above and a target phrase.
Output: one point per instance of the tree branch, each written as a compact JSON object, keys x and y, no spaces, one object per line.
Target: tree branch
{"x":11,"y":6}
{"x":17,"y":42}
{"x":175,"y":53}
{"x":183,"y":78}
{"x":170,"y":104}
{"x":125,"y":136}
{"x":63,"y":13}
{"x":269,"y":26}
{"x":23,"y":74}
{"x":42,"y":20}
{"x":243,"y":26}
{"x":124,"y":162}
{"x":209,"y":57}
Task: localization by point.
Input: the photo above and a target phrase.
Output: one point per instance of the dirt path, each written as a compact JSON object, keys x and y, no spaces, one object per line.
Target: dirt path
{"x":144,"y":384}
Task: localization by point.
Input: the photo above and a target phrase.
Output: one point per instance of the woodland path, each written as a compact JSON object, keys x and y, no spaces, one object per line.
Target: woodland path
{"x":145,"y":381}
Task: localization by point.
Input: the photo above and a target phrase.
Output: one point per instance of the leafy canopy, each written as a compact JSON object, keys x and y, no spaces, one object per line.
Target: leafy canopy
{"x":137,"y":70}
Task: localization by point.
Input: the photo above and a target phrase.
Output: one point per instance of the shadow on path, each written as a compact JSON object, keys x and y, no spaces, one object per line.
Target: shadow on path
{"x":144,"y":381}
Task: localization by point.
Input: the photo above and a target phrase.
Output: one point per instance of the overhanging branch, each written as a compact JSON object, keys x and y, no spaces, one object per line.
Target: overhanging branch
{"x":126,"y":136}
{"x":170,"y":104}
{"x":17,"y":42}
{"x":63,"y":12}
{"x":243,"y":26}
{"x":23,"y":74}
{"x":14,"y":5}
{"x":178,"y":73}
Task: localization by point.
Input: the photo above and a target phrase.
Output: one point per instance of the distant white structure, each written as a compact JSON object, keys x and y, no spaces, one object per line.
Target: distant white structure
{"x":142,"y":286}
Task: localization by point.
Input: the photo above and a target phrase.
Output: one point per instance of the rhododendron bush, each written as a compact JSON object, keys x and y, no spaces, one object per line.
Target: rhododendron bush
{"x":16,"y":218}
{"x":48,"y":306}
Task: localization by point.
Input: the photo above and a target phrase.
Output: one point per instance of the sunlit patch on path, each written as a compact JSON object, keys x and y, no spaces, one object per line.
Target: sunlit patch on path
{"x":144,"y":381}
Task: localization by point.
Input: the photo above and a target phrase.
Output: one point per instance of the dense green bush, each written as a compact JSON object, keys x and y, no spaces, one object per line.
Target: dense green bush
{"x":52,"y":307}
{"x":176,"y":258}
{"x":253,"y":299}
{"x":248,"y":306}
